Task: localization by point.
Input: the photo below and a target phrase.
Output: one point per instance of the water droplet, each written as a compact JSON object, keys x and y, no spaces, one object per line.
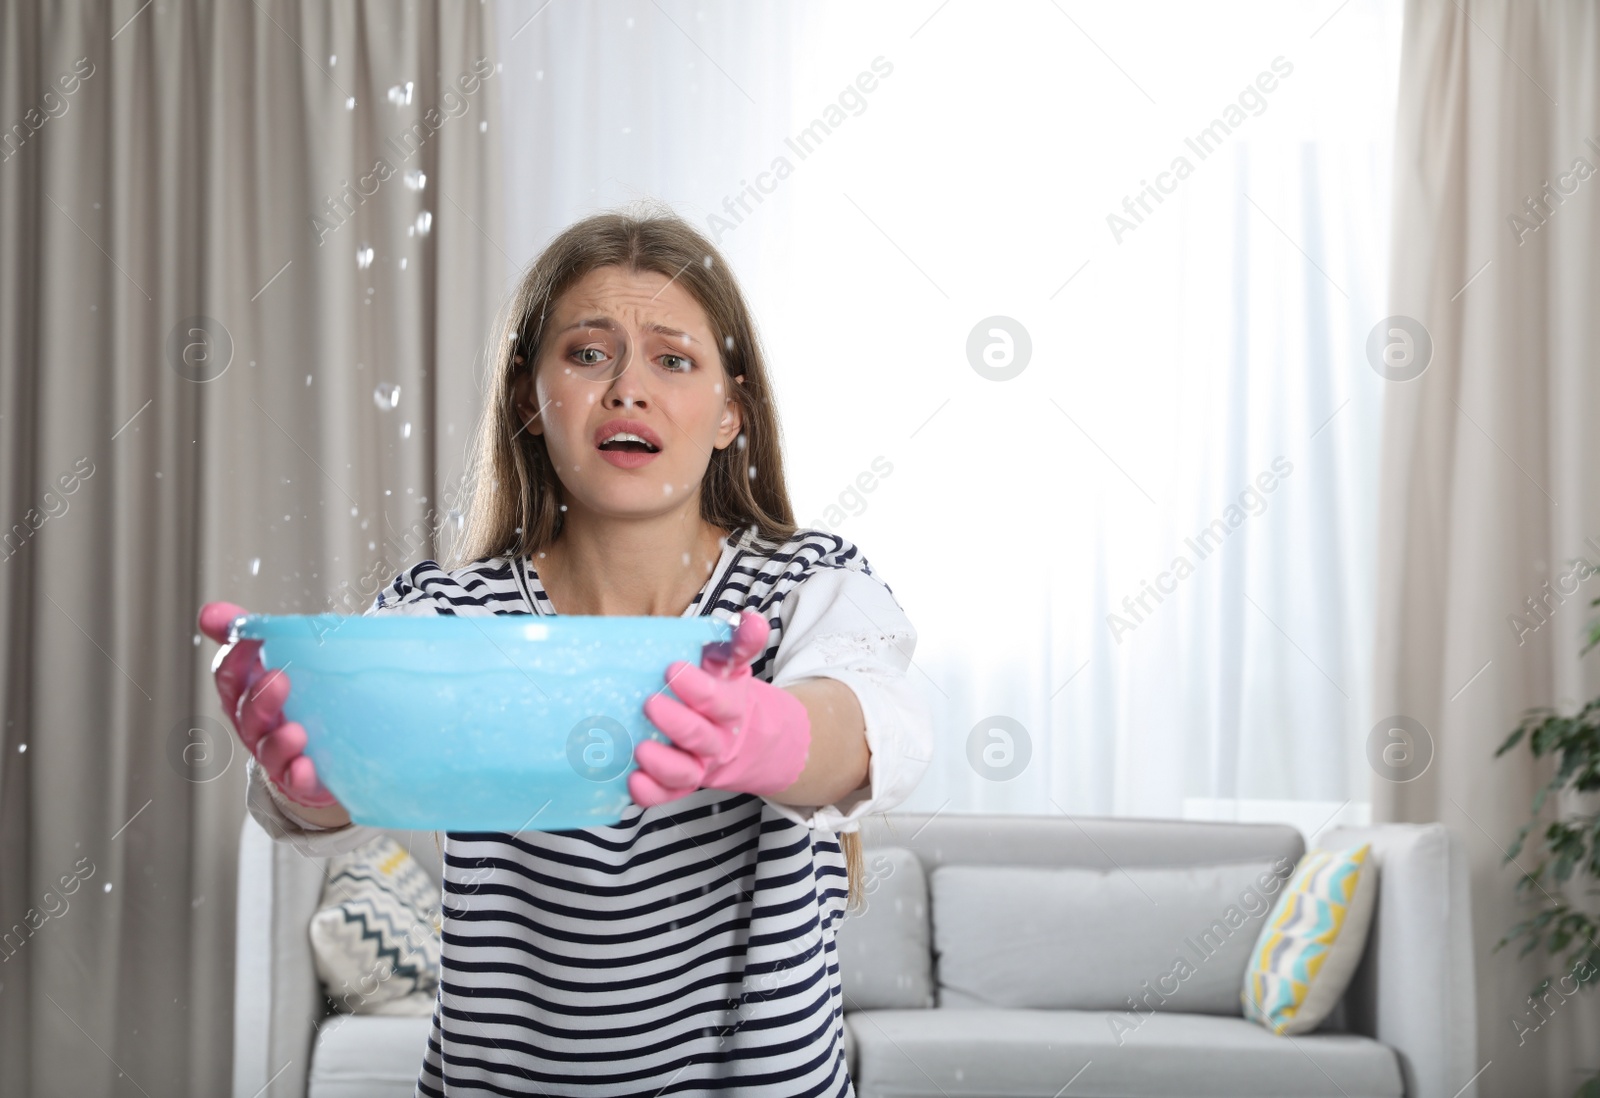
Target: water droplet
{"x":483,"y":127}
{"x":458,"y":520}
{"x":22,"y":749}
{"x":400,"y":94}
{"x":752,"y":472}
{"x":402,"y":263}
{"x":717,"y":388}
{"x":666,"y":489}
{"x":686,"y":560}
{"x":424,"y":223}
{"x":727,"y":342}
{"x":364,"y":256}
{"x":539,"y":75}
{"x":255,"y":566}
{"x":350,"y":103}
{"x":197,"y":640}
{"x":386,"y":395}
{"x":107,"y":887}
{"x":563,"y":506}
{"x":415,"y":179}
{"x":333,"y":59}
{"x":405,"y":429}
{"x":739,"y":442}
{"x":353,"y":512}
{"x":707,"y":262}
{"x":308,"y":379}
{"x":372,"y":545}
{"x":286,"y":518}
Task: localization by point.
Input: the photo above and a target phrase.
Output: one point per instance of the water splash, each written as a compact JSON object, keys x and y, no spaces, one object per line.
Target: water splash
{"x":400,"y":94}
{"x":415,"y":179}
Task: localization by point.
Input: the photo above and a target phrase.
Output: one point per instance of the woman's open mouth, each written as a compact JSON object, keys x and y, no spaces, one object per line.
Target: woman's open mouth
{"x":627,"y":444}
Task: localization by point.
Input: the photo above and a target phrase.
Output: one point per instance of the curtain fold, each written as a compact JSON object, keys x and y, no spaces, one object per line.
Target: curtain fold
{"x":1487,"y":487}
{"x":251,"y":258}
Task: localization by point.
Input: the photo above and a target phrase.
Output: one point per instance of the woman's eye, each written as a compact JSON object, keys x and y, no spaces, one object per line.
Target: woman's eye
{"x":685,"y":365}
{"x":588,"y":351}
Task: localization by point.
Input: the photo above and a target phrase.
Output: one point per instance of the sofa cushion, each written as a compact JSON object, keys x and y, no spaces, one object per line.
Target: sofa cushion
{"x":885,"y":947}
{"x":1028,"y":1053}
{"x":1305,"y":955}
{"x":375,"y":938}
{"x":367,"y":1056}
{"x":1083,"y":939}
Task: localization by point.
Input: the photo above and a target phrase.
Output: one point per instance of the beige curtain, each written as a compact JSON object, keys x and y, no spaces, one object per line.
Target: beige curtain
{"x":1489,"y":480}
{"x":241,"y":337}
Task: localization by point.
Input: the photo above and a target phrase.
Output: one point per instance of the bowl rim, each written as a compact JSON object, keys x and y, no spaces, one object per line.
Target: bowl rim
{"x":412,"y":627}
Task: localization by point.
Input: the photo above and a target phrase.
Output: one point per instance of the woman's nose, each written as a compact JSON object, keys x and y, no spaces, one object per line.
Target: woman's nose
{"x":626,"y":389}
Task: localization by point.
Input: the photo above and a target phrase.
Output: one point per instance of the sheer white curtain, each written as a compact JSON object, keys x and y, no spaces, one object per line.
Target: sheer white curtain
{"x":929,"y":167}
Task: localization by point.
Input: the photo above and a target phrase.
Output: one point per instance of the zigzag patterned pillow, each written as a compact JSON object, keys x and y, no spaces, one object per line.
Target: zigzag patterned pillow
{"x":376,"y":935}
{"x":1310,"y":947}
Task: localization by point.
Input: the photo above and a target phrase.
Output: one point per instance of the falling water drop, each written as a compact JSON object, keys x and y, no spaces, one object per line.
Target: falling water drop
{"x":333,"y":59}
{"x":364,"y":256}
{"x":740,"y":442}
{"x":386,"y":395}
{"x":400,"y":94}
{"x":751,"y":472}
{"x":483,"y":127}
{"x":424,"y":223}
{"x":405,"y":429}
{"x":255,"y":566}
{"x":350,"y":103}
{"x":107,"y":887}
{"x":308,"y":379}
{"x":416,"y":179}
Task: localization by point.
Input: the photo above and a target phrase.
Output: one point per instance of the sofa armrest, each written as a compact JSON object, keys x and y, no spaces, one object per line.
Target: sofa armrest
{"x":1415,"y":989}
{"x":277,"y":1000}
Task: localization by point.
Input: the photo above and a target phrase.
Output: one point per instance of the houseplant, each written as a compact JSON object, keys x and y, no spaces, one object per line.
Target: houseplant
{"x":1570,"y":845}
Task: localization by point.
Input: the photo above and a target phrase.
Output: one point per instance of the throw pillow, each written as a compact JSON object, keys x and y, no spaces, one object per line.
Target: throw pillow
{"x":1311,"y":946}
{"x":376,"y":935}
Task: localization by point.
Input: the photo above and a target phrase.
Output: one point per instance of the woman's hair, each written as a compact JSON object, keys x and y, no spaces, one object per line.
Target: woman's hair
{"x":515,"y":496}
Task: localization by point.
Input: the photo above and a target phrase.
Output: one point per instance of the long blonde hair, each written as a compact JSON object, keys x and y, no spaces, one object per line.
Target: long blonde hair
{"x":514,"y":506}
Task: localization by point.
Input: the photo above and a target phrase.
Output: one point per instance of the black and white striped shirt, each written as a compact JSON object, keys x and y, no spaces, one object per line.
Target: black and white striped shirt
{"x":689,"y":948}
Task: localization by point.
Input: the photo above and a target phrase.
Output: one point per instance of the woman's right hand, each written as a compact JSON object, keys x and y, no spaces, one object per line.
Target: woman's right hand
{"x":253,"y":698}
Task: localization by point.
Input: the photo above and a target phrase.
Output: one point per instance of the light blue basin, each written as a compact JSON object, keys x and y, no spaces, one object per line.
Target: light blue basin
{"x":506,"y":723}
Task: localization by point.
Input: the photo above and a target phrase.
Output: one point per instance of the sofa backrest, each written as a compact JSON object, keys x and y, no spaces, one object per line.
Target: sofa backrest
{"x":1059,"y":912}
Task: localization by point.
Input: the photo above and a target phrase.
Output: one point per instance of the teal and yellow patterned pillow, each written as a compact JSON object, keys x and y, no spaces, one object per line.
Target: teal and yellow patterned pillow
{"x":376,"y":936}
{"x":1310,"y":947}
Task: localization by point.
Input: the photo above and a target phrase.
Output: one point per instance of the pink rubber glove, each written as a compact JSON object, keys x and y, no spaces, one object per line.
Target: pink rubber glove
{"x":253,"y":698}
{"x":731,"y":730}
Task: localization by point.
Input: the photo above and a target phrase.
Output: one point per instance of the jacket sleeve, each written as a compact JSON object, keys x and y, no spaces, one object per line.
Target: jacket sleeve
{"x":844,"y":624}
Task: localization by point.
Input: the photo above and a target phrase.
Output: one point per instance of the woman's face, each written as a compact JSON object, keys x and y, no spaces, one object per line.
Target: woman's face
{"x":629,"y":393}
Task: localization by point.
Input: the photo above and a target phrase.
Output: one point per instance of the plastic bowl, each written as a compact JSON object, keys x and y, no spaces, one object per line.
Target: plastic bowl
{"x":506,"y":723}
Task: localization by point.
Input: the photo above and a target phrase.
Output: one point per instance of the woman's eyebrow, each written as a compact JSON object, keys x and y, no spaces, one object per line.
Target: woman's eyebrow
{"x":675,"y":333}
{"x":610,"y":325}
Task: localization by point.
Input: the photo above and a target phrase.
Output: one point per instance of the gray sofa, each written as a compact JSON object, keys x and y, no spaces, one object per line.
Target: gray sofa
{"x":1000,"y":956}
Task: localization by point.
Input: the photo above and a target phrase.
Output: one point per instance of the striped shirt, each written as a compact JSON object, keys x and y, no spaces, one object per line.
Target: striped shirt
{"x":689,"y":948}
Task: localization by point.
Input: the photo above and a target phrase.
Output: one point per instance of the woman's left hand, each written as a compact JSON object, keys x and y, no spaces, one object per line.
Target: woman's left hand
{"x":730,"y":730}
